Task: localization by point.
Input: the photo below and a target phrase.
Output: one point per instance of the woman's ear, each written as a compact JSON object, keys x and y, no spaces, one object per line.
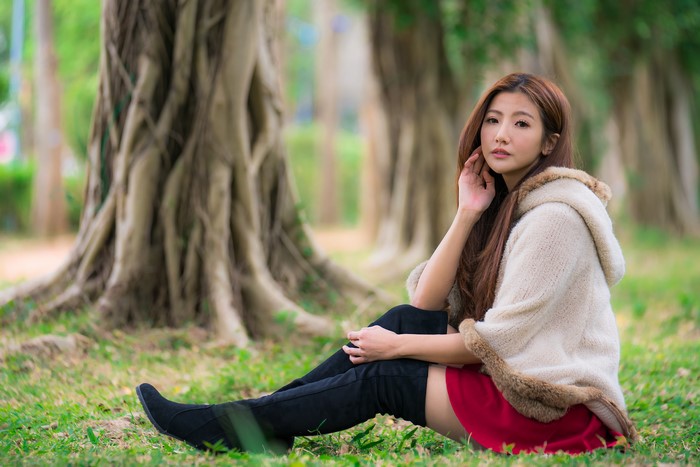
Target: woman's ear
{"x":550,"y":143}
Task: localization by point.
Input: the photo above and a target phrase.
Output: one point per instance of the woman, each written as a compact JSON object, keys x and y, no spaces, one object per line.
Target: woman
{"x":523,"y":272}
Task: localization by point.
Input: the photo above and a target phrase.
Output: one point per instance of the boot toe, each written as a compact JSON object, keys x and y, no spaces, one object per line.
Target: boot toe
{"x":152,"y":403}
{"x":194,"y":424}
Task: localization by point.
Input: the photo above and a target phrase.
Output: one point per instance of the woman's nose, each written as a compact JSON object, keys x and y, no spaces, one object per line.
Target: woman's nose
{"x":502,"y":136}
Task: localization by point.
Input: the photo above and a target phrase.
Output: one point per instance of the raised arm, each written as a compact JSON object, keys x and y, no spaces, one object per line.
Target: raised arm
{"x":476,"y":191}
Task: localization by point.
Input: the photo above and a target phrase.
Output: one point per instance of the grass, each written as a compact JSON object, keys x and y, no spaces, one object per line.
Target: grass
{"x":80,"y":407}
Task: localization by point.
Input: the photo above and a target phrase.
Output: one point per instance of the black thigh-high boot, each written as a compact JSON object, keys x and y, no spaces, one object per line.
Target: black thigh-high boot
{"x":402,"y":319}
{"x":395,"y":387}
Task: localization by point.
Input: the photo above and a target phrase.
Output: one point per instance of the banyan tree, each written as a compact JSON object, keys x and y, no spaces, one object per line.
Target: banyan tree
{"x":190,"y":213}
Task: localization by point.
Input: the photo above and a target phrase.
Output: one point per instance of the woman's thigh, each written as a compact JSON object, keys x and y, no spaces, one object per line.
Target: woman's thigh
{"x":438,"y":410}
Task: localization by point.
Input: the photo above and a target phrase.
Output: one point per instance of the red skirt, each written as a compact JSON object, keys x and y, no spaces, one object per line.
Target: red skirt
{"x":495,"y":424}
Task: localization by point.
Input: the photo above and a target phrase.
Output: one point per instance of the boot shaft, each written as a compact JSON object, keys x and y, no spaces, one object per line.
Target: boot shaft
{"x":394,"y":387}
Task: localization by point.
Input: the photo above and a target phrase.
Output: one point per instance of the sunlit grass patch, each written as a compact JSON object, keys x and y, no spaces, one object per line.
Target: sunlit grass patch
{"x":660,"y":293}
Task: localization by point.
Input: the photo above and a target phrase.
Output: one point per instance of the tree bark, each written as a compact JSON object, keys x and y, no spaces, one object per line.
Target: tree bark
{"x":190,"y":215}
{"x":49,"y":212}
{"x":415,"y":143}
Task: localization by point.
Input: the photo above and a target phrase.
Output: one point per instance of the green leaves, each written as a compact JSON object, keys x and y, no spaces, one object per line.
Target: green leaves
{"x":364,"y":441}
{"x":625,"y":30}
{"x":406,"y":437}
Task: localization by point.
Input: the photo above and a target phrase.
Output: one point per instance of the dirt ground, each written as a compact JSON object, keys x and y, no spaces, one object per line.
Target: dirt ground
{"x":23,"y":258}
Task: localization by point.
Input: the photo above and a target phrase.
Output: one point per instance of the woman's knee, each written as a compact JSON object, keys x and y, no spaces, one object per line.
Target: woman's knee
{"x":409,"y":319}
{"x":399,"y":310}
{"x":392,"y":317}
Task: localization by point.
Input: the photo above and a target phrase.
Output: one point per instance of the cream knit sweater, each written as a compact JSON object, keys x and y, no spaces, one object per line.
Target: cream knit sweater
{"x":550,"y":339}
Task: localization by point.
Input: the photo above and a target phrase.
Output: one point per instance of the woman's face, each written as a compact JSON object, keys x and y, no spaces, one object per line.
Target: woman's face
{"x":511,"y":136}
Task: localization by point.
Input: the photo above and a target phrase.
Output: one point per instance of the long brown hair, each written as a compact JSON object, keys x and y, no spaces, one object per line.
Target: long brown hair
{"x":477,"y":272}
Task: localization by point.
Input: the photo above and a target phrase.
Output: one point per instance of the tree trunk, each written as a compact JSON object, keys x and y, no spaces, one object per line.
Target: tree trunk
{"x":415,"y":149}
{"x":327,"y":109}
{"x":374,"y":128}
{"x":190,"y":215}
{"x":49,"y":214}
{"x":652,"y":110}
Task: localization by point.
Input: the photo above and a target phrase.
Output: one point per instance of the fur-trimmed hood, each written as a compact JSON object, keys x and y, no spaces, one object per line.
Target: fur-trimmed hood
{"x":589,"y":197}
{"x":600,"y":189}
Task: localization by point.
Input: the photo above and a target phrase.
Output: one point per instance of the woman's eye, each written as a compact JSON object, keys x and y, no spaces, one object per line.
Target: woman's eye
{"x":491,"y":120}
{"x":522,"y":124}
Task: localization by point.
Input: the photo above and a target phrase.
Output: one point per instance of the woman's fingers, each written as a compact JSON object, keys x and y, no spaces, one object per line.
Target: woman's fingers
{"x":355,"y":335}
{"x":355,"y":354}
{"x":369,"y":344}
{"x":480,"y":161}
{"x":475,"y":162}
{"x":469,"y":163}
{"x":473,"y":156}
{"x":486,"y":174}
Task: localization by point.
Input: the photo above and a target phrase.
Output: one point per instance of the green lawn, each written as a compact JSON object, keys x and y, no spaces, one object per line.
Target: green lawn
{"x":80,"y":407}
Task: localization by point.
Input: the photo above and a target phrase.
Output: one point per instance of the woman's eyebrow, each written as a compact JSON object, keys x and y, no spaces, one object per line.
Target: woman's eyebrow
{"x":519,"y":112}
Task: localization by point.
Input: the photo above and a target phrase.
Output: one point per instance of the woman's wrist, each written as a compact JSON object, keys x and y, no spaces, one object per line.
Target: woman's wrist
{"x":401,"y":346}
{"x":467,"y":216}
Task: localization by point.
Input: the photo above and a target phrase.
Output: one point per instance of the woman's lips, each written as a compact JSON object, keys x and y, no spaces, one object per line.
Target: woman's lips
{"x":500,"y":153}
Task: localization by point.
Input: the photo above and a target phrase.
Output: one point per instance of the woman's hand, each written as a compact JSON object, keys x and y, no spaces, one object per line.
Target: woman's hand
{"x":373,"y":344}
{"x":476,"y":184}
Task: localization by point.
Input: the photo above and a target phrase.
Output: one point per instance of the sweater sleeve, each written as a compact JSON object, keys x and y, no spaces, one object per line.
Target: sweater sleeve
{"x":538,"y":268}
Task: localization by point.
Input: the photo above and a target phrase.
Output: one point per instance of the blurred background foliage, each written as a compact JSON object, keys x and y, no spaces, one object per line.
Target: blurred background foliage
{"x":302,"y":141}
{"x":603,"y":44}
{"x":77,"y":45}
